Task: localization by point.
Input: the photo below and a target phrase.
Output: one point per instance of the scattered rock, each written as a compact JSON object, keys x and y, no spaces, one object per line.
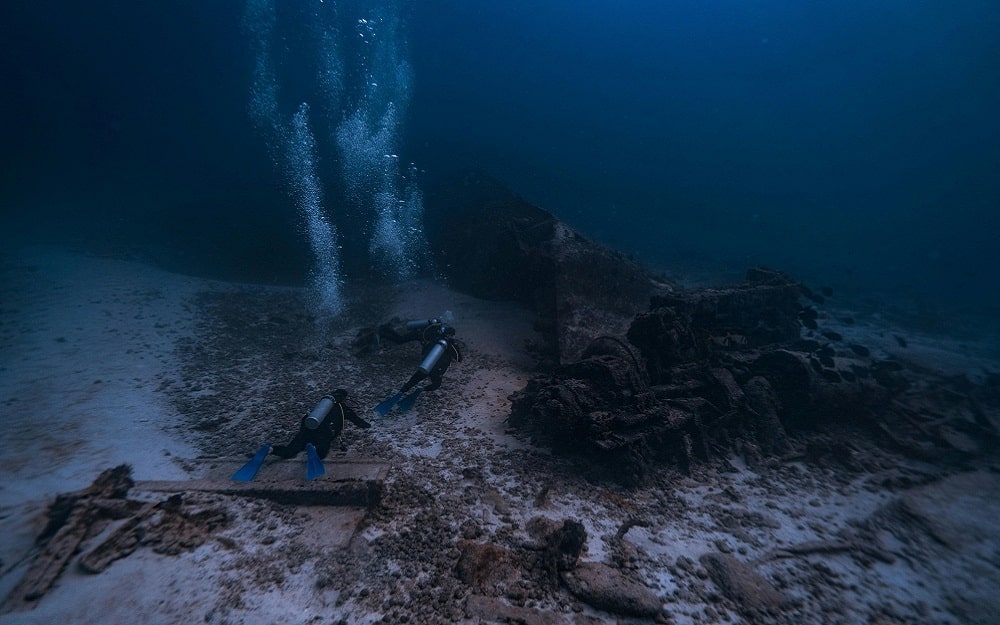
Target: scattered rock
{"x":607,"y":589}
{"x":740,"y":583}
{"x":488,"y":568}
{"x":561,"y":543}
{"x":493,"y":610}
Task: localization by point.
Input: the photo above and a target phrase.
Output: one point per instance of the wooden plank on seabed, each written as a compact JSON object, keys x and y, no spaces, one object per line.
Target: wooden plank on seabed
{"x":347,"y":482}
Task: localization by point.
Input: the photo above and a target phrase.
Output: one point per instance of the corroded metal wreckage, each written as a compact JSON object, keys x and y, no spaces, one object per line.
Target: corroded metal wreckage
{"x":707,"y":372}
{"x":492,"y":244}
{"x":640,"y":371}
{"x":116,"y":515}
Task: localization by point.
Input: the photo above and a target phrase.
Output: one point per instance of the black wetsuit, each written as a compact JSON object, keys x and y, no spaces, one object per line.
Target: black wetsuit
{"x":389,"y":331}
{"x":396,"y":331}
{"x":322,"y":437}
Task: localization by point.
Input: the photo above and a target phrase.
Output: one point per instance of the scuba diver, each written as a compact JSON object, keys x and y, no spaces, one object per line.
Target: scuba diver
{"x":321,"y":426}
{"x":439,"y":349}
{"x":317,"y":431}
{"x":397,"y":331}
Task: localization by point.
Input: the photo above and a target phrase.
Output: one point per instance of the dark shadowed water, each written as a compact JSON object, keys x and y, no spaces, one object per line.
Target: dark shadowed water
{"x":855,"y":145}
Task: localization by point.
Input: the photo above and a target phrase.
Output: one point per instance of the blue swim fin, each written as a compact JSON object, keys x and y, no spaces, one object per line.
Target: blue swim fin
{"x":407,"y":402}
{"x":249,"y":471}
{"x":314,"y":466}
{"x":387,"y":404}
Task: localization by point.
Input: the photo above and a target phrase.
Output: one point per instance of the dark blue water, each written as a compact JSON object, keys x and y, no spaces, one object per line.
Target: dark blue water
{"x":855,"y":145}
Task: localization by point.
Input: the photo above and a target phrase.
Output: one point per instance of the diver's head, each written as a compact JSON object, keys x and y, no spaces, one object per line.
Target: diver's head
{"x":439,"y":331}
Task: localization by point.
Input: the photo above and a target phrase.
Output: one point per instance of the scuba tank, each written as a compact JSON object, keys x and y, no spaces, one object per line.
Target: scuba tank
{"x":319,"y":413}
{"x":433,"y":356}
{"x":416,"y":324}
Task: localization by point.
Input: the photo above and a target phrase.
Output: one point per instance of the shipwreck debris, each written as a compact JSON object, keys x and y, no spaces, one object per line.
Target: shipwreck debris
{"x":101,"y":524}
{"x":168,"y":527}
{"x":494,"y":245}
{"x":72,"y":519}
{"x":706,"y":372}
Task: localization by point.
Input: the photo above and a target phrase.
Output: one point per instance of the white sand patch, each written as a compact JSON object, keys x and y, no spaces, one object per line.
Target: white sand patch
{"x":85,"y":344}
{"x":164,"y":590}
{"x":946,"y":355}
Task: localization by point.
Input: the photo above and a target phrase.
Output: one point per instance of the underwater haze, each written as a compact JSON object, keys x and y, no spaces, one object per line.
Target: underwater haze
{"x":855,"y":145}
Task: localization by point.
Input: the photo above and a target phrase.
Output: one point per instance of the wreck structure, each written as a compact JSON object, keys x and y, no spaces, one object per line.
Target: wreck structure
{"x":636,"y":371}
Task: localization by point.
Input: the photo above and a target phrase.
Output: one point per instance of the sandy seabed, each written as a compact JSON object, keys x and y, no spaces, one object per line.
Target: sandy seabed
{"x":108,"y":361}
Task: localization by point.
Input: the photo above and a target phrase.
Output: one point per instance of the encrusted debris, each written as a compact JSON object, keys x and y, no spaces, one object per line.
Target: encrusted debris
{"x":167,"y":527}
{"x":709,"y":372}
